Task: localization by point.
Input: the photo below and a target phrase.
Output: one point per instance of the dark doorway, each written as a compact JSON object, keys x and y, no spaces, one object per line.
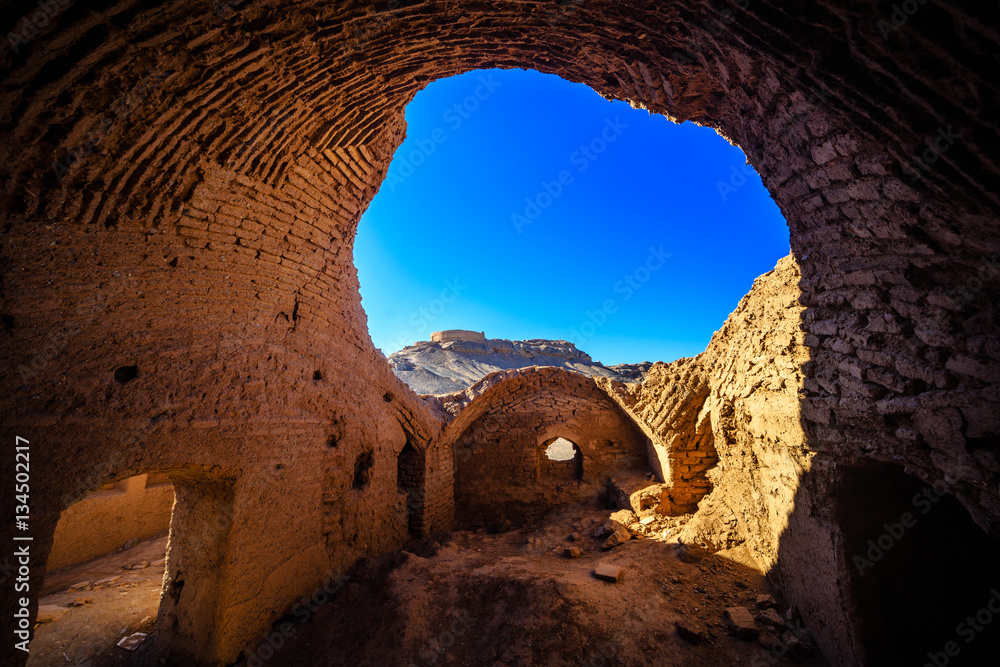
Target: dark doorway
{"x":923,"y":575}
{"x":410,"y":480}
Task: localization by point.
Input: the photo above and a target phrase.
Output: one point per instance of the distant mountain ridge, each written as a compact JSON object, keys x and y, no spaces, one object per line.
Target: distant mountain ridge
{"x":455,"y":360}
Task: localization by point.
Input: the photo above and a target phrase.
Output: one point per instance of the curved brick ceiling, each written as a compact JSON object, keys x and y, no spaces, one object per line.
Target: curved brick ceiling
{"x":180,"y":184}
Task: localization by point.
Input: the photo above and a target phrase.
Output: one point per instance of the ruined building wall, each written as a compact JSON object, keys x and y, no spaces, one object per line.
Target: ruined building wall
{"x":134,"y":508}
{"x":439,"y":493}
{"x":671,"y":408}
{"x":775,"y":498}
{"x":753,"y":370}
{"x":500,"y":437}
{"x":179,"y":189}
{"x":770,"y":493}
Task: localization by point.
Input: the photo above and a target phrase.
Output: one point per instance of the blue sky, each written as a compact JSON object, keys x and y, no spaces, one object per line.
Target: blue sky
{"x":527,"y":206}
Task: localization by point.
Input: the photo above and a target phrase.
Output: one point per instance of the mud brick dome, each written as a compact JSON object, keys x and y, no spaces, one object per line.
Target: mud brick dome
{"x":180,"y":186}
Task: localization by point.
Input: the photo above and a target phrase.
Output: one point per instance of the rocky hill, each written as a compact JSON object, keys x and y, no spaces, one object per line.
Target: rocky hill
{"x":442,"y":367}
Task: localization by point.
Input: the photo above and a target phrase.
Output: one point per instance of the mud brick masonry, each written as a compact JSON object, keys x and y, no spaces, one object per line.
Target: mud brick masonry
{"x":179,"y":193}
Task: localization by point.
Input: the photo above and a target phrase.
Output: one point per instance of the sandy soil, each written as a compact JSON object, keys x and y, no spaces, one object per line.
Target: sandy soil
{"x":466,"y":598}
{"x":118,"y":602}
{"x":476,"y":599}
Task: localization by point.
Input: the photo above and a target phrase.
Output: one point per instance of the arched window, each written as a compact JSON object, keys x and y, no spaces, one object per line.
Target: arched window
{"x":560,"y":460}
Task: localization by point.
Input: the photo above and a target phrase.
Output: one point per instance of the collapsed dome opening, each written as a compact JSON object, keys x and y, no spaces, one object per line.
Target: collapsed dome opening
{"x":543,"y":167}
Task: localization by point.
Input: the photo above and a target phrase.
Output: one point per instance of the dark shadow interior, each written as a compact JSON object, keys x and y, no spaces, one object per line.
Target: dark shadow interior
{"x":923,"y":574}
{"x":410,"y":480}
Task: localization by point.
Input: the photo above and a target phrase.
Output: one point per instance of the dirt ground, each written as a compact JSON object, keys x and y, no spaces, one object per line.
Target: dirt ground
{"x":512,"y":598}
{"x":469,"y":598}
{"x":116,"y":603}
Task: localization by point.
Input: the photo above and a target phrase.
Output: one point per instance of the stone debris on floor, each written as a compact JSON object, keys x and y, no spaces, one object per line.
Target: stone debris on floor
{"x":608,"y":572}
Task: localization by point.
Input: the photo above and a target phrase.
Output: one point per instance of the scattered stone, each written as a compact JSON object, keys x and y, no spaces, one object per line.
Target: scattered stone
{"x":141,"y":566}
{"x":79,"y":602}
{"x":741,"y":622}
{"x":606,"y":528}
{"x":772,"y":619}
{"x":606,"y":572}
{"x":574,"y":537}
{"x":572,"y":552}
{"x":766,"y":601}
{"x":131,"y":543}
{"x":690,"y":553}
{"x":646,"y":520}
{"x":82,"y":584}
{"x":624,"y":517}
{"x":47,"y":613}
{"x":637,"y":490}
{"x":618,"y":537}
{"x":691,"y":631}
{"x":107,"y":580}
{"x":158,"y":563}
{"x":132,"y":641}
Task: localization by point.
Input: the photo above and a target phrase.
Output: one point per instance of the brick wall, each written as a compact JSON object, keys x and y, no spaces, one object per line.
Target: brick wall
{"x":214,"y":168}
{"x":500,"y":436}
{"x":135,"y":508}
